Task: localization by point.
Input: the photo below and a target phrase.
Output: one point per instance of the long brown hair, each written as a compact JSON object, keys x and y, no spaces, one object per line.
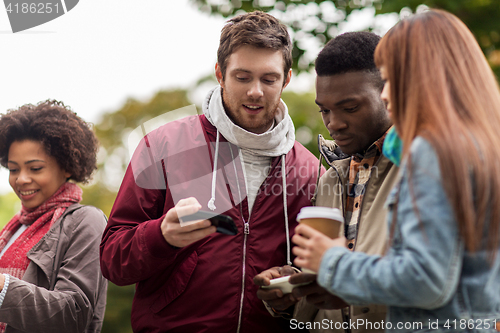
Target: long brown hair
{"x":442,"y":89}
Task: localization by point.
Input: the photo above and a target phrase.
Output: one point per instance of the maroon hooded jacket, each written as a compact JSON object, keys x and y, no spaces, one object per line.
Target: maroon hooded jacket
{"x":208,"y":285}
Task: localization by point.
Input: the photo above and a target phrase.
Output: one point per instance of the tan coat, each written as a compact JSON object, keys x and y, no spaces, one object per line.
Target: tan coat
{"x":371,"y":236}
{"x":63,"y":289}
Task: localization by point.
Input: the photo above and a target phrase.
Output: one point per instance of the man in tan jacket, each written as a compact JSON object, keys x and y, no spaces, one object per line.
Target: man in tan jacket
{"x":360,"y":177}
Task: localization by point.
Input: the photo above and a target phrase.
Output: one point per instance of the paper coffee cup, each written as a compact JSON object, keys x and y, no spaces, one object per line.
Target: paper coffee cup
{"x":324,"y":219}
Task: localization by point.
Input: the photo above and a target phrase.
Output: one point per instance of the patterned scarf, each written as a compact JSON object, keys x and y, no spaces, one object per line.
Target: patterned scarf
{"x":39,"y":220}
{"x":360,"y":171}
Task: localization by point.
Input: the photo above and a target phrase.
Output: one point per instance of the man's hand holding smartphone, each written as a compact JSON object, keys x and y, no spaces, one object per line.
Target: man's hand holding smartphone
{"x":183,"y":234}
{"x":180,"y":236}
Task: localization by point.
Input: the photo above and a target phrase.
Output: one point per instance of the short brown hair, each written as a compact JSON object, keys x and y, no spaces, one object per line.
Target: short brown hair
{"x":64,"y":135}
{"x":256,"y":29}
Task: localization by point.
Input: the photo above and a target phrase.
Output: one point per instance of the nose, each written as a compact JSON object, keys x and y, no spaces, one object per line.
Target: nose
{"x":255,"y":90}
{"x":23,"y":178}
{"x":333,"y":122}
{"x":384,"y":95}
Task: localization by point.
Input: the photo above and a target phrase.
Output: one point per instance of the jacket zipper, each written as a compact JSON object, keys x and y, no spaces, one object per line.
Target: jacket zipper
{"x":246,"y":227}
{"x":246,"y":232}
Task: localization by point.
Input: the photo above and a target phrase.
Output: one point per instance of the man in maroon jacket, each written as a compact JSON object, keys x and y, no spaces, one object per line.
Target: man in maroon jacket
{"x":239,"y":158}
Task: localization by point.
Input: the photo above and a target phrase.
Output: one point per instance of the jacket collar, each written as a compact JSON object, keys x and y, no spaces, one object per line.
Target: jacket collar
{"x":340,"y":161}
{"x":330,"y":151}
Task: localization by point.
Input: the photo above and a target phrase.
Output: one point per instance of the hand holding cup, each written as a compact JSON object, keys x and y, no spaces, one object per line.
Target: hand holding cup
{"x":319,"y":229}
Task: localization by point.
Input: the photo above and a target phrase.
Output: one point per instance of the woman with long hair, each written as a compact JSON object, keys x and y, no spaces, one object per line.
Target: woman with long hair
{"x":49,"y":252}
{"x":441,"y":270}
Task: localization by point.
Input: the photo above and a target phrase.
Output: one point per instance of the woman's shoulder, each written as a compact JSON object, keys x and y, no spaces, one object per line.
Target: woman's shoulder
{"x":421,"y":145}
{"x":424,"y":158}
{"x":85,"y":214}
{"x":422,"y":151}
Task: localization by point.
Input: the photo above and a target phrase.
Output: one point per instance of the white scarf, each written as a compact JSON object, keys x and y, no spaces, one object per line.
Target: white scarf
{"x":275,"y":142}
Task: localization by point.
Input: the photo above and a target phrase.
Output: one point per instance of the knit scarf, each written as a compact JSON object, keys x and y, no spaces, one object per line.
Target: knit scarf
{"x":39,"y":220}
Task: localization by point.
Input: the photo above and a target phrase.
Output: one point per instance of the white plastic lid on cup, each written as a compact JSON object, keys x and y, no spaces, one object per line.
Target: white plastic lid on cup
{"x":311,"y":212}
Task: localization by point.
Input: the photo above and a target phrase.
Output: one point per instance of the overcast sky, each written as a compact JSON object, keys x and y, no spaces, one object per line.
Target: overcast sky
{"x":103,"y":51}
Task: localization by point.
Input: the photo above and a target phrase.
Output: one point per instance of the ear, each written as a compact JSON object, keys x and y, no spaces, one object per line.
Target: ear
{"x":288,"y":78}
{"x":67,"y":175}
{"x":218,"y":75}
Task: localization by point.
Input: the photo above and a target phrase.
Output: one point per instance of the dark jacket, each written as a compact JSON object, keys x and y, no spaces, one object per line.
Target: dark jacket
{"x":206,"y":286}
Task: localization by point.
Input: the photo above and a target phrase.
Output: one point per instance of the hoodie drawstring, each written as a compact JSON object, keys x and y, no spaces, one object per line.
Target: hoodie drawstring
{"x":283,"y":173}
{"x":211,"y":202}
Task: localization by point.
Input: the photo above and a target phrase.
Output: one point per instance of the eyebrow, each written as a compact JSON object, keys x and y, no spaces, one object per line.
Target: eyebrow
{"x":343,"y":101}
{"x":249,"y":72}
{"x":27,"y":162}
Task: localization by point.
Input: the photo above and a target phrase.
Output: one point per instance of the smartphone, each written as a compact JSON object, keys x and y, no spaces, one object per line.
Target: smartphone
{"x":223,"y":223}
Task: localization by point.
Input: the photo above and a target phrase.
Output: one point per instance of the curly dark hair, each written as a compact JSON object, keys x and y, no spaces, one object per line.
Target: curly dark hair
{"x":65,"y":136}
{"x":349,"y":52}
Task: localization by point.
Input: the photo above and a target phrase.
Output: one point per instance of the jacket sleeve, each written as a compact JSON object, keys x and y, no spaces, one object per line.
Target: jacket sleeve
{"x":423,"y":266}
{"x":78,"y":290}
{"x":133,"y":247}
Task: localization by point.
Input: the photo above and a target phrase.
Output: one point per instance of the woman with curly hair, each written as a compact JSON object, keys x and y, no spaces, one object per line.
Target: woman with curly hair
{"x":49,"y":251}
{"x":441,"y":272}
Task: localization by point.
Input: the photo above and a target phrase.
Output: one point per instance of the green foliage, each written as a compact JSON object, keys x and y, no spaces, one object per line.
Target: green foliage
{"x":113,"y":131}
{"x":313,"y":23}
{"x":133,"y":113}
{"x":480,"y":16}
{"x":306,"y":119}
{"x":118,"y":309}
{"x":9,"y":206}
{"x":99,"y":196}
